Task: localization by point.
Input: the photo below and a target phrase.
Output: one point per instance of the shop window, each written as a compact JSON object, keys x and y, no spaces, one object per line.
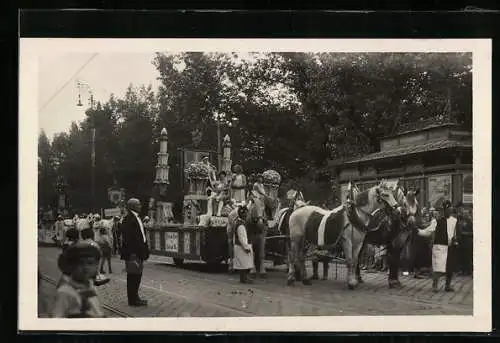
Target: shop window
{"x":439,"y":189}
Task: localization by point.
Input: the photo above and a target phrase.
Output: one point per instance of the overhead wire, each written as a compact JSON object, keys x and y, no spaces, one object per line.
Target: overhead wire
{"x":67,"y":82}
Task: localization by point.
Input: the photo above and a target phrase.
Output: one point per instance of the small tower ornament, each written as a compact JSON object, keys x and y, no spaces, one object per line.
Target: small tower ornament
{"x":226,"y":161}
{"x":162,"y":168}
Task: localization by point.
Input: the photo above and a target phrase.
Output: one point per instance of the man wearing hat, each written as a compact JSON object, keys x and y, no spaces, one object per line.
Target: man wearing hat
{"x":134,"y":250}
{"x":444,"y":230}
{"x":76,"y":296}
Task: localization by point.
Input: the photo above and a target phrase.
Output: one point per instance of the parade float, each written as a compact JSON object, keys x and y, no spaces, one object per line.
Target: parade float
{"x":202,"y":235}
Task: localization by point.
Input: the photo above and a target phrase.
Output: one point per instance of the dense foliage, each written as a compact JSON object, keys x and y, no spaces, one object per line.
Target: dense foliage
{"x":290,"y":112}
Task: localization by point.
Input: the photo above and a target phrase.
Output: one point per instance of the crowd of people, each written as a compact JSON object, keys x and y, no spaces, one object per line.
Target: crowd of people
{"x":83,"y":256}
{"x":417,"y":256}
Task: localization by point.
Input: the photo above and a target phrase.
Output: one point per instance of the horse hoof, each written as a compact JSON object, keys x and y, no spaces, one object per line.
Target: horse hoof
{"x":290,"y":282}
{"x":315,"y":277}
{"x":307,"y":282}
{"x":360,"y":280}
{"x":351,"y":286}
{"x":263,"y":276}
{"x":395,"y":284}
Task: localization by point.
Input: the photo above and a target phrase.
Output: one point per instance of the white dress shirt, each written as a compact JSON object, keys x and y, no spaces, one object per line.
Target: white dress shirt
{"x":451,"y":223}
{"x":140,"y":225}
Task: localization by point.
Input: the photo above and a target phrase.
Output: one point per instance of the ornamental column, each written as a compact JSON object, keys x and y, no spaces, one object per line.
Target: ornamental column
{"x":226,"y":162}
{"x":163,"y":211}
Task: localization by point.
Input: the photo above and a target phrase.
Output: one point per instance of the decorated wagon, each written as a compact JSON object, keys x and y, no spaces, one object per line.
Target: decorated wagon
{"x":202,"y":236}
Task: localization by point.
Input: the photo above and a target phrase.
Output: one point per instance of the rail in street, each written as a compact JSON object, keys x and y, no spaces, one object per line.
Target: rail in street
{"x":194,"y":290}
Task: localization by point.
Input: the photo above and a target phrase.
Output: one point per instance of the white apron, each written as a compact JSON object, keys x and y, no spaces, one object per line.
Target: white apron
{"x":242,"y":259}
{"x":439,"y":257}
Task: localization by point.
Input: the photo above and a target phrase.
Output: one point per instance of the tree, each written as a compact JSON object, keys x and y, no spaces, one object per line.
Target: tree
{"x":46,"y":172}
{"x":370,"y":95}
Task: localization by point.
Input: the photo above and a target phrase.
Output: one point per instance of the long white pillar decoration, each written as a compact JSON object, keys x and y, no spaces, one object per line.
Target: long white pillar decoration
{"x":226,"y":162}
{"x":164,"y":213}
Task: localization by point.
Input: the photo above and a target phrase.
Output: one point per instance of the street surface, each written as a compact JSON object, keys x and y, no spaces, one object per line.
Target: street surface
{"x":194,"y":290}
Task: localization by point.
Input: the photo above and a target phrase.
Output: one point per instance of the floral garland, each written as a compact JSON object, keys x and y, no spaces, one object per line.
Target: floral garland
{"x":196,"y":170}
{"x":271,"y":177}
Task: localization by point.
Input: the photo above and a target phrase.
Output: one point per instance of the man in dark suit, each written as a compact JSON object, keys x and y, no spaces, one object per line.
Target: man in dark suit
{"x":134,"y":250}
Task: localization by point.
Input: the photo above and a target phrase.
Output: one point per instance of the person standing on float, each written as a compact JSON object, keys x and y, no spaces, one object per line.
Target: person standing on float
{"x":444,"y":244}
{"x":238,"y":184}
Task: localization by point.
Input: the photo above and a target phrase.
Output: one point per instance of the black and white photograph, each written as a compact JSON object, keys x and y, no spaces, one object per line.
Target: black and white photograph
{"x":268,"y":185}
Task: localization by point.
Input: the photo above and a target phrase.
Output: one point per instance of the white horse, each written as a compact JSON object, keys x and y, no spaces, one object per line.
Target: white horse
{"x":314,"y":226}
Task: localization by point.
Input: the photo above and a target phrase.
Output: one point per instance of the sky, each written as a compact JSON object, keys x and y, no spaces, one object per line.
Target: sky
{"x":105,"y":74}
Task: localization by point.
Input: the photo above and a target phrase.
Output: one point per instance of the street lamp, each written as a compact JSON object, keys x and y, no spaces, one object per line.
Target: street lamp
{"x":84,"y":86}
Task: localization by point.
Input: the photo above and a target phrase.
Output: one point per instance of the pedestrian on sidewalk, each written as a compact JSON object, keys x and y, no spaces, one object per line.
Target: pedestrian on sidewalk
{"x":76,"y":296}
{"x":104,"y":242}
{"x":232,"y":220}
{"x":135,"y":251}
{"x":444,"y":246}
{"x":116,"y":235}
{"x":243,"y":254}
{"x":88,"y":237}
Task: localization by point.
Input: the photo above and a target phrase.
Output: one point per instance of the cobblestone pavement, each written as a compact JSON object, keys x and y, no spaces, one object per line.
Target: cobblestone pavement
{"x":195,"y":291}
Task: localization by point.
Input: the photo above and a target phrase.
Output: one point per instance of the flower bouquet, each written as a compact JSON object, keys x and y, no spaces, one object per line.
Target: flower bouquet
{"x":196,"y":170}
{"x":271,"y":177}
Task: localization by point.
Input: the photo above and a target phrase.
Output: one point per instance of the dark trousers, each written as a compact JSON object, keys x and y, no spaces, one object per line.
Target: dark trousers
{"x":450,"y":268}
{"x":437,"y":275}
{"x":134,"y":277}
{"x":256,"y":254}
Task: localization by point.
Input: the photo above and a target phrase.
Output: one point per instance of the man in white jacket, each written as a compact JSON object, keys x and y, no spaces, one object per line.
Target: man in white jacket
{"x":445,"y":240}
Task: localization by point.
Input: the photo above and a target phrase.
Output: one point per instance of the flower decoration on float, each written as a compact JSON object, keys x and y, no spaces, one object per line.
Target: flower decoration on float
{"x":196,"y":170}
{"x":271,"y":177}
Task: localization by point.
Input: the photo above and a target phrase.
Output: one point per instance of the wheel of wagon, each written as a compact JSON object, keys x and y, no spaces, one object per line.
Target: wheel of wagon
{"x":178,"y":261}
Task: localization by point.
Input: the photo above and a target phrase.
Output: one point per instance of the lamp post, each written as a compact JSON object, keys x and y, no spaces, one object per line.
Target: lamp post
{"x":84,"y":86}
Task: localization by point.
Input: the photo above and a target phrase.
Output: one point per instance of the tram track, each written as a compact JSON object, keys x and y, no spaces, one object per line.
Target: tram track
{"x":106,"y":307}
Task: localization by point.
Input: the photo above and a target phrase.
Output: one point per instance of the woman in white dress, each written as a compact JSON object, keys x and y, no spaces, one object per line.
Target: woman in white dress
{"x":243,"y":253}
{"x":238,"y":184}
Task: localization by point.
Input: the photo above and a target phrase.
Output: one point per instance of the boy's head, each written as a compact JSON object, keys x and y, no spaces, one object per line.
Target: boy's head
{"x":87,"y":233}
{"x":80,"y":260}
{"x":72,"y":234}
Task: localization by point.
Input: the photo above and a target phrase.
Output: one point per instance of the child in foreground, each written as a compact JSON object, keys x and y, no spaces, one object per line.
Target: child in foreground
{"x":88,"y":237}
{"x":76,"y":296}
{"x":104,"y":242}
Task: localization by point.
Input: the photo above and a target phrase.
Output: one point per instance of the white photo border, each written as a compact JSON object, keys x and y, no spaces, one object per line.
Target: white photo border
{"x":480,"y":321}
